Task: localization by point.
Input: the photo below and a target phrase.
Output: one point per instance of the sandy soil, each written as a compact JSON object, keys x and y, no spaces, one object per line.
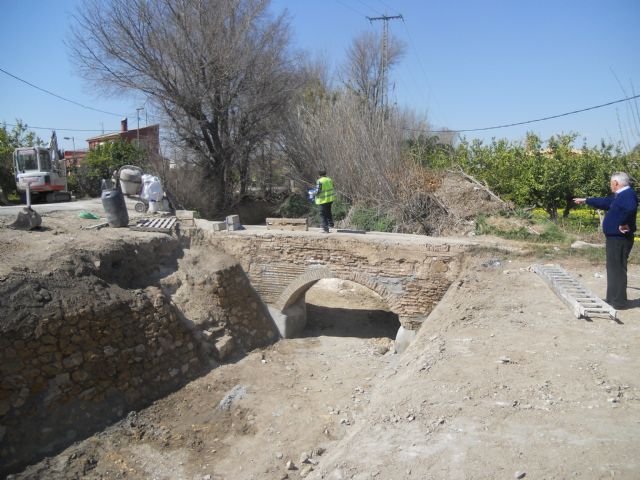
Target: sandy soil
{"x":501,"y":382}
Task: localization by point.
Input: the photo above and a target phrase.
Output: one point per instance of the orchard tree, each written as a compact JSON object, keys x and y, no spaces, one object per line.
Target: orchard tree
{"x":219,"y":70}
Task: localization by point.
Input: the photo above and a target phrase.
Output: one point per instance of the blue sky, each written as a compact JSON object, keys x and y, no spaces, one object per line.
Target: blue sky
{"x":468,"y":64}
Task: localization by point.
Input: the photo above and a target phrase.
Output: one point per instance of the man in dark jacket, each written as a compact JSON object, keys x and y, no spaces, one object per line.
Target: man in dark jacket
{"x":618,"y":227}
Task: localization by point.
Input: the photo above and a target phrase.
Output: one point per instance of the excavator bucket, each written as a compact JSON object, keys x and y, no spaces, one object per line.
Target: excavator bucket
{"x":28,"y":219}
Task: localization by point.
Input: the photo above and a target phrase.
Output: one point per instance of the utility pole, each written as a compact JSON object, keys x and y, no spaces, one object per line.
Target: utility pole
{"x":385,"y":52}
{"x":138,"y":132}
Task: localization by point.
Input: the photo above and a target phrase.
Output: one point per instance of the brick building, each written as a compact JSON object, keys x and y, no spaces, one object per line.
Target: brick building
{"x":149,"y":138}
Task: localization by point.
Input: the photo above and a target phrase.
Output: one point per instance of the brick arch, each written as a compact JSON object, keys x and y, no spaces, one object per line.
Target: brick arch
{"x":299,"y":285}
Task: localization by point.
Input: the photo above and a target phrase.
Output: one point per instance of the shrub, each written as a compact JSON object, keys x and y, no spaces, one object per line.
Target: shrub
{"x":294,"y":206}
{"x":371,"y":219}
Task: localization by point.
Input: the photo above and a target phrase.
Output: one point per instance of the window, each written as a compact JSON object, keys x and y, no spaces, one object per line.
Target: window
{"x":45,"y":161}
{"x":27,"y":161}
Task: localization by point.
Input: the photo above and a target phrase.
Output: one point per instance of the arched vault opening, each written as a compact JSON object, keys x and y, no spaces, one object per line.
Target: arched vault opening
{"x":290,"y":311}
{"x":342,"y":308}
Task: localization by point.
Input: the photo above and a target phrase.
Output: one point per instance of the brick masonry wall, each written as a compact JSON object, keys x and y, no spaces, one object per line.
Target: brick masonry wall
{"x":411,"y":278}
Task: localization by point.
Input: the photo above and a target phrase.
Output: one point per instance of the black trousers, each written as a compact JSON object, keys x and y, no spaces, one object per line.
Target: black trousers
{"x":618,"y":250}
{"x":325,"y":216}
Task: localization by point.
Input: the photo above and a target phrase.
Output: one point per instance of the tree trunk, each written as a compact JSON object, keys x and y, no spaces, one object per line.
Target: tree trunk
{"x":215,"y":185}
{"x":244,"y":174}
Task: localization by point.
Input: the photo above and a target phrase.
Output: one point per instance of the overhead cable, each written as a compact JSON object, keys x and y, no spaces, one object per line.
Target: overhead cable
{"x":351,"y":8}
{"x":59,"y":96}
{"x":58,"y":128}
{"x":525,"y":122}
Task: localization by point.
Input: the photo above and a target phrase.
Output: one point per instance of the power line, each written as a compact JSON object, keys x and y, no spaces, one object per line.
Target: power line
{"x":525,"y":122}
{"x":420,"y":64}
{"x":58,"y":128}
{"x":385,"y":5}
{"x":367,"y":6}
{"x":351,"y":8}
{"x":59,"y":96}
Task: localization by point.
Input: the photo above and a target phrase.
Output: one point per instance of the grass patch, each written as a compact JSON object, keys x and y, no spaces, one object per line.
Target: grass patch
{"x":551,"y":232}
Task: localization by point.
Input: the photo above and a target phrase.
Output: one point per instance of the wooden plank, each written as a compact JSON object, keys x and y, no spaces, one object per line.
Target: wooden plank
{"x":287,"y":224}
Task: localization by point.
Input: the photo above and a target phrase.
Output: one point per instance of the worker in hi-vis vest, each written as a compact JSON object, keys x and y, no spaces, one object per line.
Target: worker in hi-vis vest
{"x":324,"y":198}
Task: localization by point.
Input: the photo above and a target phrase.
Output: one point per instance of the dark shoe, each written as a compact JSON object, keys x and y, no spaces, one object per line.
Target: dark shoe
{"x":325,"y":231}
{"x":620,"y":306}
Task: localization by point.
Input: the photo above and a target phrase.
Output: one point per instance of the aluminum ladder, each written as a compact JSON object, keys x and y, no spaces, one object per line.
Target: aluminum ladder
{"x":582,"y":302}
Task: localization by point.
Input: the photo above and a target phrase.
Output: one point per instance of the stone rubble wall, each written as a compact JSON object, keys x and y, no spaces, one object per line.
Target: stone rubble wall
{"x":245,"y":316}
{"x":72,"y":372}
{"x":85,"y":352}
{"x":225,"y":310}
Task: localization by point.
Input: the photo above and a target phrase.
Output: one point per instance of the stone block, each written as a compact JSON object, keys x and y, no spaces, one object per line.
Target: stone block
{"x":404,"y":338}
{"x":224,"y":347}
{"x":233,"y":220}
{"x":291,"y":321}
{"x":209,"y":225}
{"x":186,"y":218}
{"x":218,"y":226}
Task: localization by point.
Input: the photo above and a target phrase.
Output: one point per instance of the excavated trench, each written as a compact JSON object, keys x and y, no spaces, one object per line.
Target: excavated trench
{"x":105,"y":334}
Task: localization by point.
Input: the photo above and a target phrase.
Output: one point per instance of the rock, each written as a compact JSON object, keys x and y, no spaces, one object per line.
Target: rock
{"x":224,"y":346}
{"x":579,"y":245}
{"x":74,"y":360}
{"x":62,"y":379}
{"x":494,"y":262}
{"x":279,"y":455}
{"x":236,"y":393}
{"x":319,"y":451}
{"x":206,"y":477}
{"x":79,"y":376}
{"x":291,"y":465}
{"x":504,"y":360}
{"x":520,"y":475}
{"x":304,"y":457}
{"x":109,"y":351}
{"x":306,"y":470}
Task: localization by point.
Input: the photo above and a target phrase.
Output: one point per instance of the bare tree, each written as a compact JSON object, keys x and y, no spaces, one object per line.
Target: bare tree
{"x":363,"y":73}
{"x":219,"y":70}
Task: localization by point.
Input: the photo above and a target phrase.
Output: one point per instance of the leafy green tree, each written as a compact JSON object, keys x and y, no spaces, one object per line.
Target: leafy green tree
{"x":102,"y":161}
{"x":549,"y":177}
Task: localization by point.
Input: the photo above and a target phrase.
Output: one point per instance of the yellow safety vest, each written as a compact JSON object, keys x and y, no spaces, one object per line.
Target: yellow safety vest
{"x":326,"y":194}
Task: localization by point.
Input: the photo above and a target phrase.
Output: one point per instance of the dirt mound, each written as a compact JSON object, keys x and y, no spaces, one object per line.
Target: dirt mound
{"x":27,"y":296}
{"x":463,"y":201}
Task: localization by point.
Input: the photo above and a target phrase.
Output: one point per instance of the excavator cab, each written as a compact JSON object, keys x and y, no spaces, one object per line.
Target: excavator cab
{"x":45,"y":176}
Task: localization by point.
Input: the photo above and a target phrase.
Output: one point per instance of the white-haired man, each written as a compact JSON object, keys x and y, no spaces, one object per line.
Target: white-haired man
{"x":618,"y":226}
